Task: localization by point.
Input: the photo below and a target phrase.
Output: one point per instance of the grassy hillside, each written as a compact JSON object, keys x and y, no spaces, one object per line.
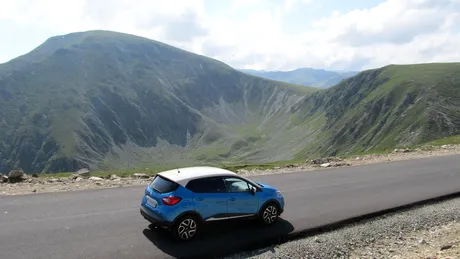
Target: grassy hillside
{"x":393,"y":106}
{"x":304,"y":76}
{"x":112,"y":101}
{"x":105,"y":99}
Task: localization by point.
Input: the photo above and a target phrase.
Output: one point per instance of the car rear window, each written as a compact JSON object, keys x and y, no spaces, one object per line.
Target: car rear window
{"x":163,"y":185}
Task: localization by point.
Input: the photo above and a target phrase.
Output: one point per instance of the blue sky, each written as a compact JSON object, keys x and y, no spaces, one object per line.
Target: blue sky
{"x":257,"y":34}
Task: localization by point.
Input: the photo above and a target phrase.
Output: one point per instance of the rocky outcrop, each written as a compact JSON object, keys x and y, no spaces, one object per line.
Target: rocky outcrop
{"x":325,"y":160}
{"x":82,"y":173}
{"x":15,"y":176}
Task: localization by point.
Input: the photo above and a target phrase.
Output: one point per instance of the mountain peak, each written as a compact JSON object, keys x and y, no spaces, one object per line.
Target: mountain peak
{"x":84,"y":99}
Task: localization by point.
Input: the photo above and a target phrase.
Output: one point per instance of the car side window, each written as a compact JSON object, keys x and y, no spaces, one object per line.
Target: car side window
{"x":235,"y":184}
{"x":207,"y":185}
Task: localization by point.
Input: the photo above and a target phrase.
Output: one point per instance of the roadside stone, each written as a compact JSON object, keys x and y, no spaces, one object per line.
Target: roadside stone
{"x":142,"y":176}
{"x":326,"y":165}
{"x":320,"y":161}
{"x":16,"y":176}
{"x":83,"y":172}
{"x":427,"y":148}
{"x":242,"y":171}
{"x":404,"y":150}
{"x":3,"y":178}
{"x":53,"y":180}
{"x":341,"y":164}
{"x":446,"y":247}
{"x":114,"y":177}
{"x":94,"y":178}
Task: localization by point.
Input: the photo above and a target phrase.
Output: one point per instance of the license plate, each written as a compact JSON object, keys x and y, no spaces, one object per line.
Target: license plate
{"x":151,"y":202}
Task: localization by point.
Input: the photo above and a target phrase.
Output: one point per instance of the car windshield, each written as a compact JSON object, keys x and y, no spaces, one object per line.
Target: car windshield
{"x":163,"y":185}
{"x":257,"y":184}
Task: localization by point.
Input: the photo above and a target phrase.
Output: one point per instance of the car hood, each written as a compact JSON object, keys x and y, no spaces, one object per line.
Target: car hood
{"x":266,"y":186}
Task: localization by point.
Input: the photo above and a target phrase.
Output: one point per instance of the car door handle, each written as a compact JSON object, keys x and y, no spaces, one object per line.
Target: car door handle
{"x":231,"y":199}
{"x":199,"y":199}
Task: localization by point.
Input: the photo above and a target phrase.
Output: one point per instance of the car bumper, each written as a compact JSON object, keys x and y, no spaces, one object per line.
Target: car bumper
{"x":154,"y":219}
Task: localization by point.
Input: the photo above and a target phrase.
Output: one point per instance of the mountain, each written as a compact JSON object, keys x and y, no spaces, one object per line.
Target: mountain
{"x":108,"y":100}
{"x":393,"y":106}
{"x":304,"y":76}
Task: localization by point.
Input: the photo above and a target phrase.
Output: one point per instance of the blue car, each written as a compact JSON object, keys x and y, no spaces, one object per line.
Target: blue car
{"x":182,"y":200}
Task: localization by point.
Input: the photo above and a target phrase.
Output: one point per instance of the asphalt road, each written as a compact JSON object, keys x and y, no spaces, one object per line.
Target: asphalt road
{"x":107,"y":223}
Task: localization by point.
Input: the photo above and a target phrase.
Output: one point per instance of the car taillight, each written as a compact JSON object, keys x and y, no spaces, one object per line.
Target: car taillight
{"x":171,"y":200}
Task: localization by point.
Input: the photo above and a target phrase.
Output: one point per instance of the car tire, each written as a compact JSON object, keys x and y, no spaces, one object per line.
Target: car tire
{"x":269,"y":213}
{"x":186,"y":228}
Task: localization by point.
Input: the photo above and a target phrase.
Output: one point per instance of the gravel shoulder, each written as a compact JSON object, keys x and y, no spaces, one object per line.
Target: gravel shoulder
{"x":429,"y":231}
{"x":30,"y":185}
{"x":33,"y":185}
{"x":396,"y":155}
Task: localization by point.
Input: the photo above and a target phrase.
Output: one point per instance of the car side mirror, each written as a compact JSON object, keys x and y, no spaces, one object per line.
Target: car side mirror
{"x":253,"y":190}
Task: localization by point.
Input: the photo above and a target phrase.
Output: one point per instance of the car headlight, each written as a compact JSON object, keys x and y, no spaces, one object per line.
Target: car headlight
{"x":278,"y":194}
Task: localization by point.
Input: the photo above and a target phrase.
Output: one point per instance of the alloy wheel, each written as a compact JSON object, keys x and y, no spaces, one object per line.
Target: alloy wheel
{"x":186,"y":229}
{"x":270,"y":214}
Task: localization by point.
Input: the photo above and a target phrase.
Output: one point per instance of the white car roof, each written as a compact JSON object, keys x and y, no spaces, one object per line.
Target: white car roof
{"x":183,"y":175}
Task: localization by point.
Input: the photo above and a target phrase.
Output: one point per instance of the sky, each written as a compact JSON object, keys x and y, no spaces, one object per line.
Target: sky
{"x":254,"y":34}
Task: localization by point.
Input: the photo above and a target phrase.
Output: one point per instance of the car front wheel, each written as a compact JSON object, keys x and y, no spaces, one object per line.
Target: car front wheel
{"x":269,"y":214}
{"x":186,"y":228}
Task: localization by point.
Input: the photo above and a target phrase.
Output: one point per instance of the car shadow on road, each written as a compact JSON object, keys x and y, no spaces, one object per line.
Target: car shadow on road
{"x":221,"y":238}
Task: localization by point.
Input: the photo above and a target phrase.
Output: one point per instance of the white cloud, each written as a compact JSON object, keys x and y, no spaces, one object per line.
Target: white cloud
{"x":396,"y":31}
{"x":262,"y":34}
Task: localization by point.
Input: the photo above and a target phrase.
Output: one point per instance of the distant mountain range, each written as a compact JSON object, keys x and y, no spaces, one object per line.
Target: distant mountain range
{"x":304,"y":76}
{"x":106,"y":100}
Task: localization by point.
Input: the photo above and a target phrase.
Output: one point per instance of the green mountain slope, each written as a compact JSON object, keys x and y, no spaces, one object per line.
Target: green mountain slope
{"x":397,"y":105}
{"x":304,"y":76}
{"x":108,"y":100}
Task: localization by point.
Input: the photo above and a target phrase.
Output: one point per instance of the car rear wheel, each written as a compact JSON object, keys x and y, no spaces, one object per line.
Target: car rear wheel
{"x":186,"y":228}
{"x":269,"y":213}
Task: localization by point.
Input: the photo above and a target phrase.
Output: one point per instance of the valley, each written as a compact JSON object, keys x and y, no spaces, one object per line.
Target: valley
{"x":105,"y":100}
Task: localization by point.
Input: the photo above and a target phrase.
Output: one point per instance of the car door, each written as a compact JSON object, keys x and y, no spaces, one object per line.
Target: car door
{"x":210,"y":197}
{"x":241,"y":202}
